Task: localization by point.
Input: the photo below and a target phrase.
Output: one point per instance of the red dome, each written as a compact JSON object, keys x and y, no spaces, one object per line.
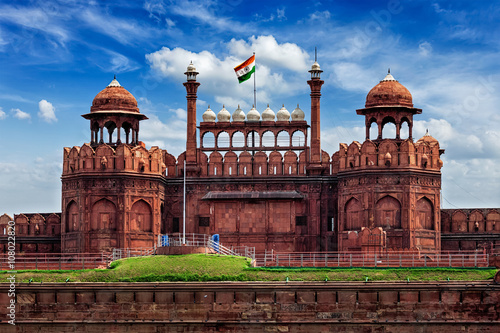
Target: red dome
{"x":389,"y":92}
{"x":114,"y":98}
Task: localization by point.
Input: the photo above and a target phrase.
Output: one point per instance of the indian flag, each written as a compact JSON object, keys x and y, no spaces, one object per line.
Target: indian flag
{"x":244,"y":71}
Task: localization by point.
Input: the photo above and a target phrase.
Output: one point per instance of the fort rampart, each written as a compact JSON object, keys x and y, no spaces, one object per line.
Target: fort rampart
{"x":258,"y":306}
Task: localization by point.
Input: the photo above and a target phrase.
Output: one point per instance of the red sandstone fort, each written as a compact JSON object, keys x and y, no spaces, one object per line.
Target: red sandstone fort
{"x":258,"y":179}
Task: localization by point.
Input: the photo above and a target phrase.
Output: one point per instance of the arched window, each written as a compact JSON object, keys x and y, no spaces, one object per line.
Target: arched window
{"x":425,"y":216}
{"x":223,"y":140}
{"x":208,"y":140}
{"x":125,"y":132}
{"x":389,"y":129}
{"x":72,"y":220}
{"x":238,"y":139}
{"x":353,"y":215}
{"x":268,"y":139}
{"x":298,"y":139}
{"x":111,"y":126}
{"x":373,"y":129}
{"x":140,"y":217}
{"x":103,"y":215}
{"x":253,"y":139}
{"x":283,"y":139}
{"x":388,"y":213}
{"x":405,"y":129}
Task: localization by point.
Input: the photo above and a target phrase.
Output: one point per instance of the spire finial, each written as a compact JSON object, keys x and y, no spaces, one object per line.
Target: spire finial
{"x":315,"y":54}
{"x":114,"y":77}
{"x":389,"y":71}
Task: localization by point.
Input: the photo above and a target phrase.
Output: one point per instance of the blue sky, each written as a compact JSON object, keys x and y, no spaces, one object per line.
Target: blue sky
{"x":57,"y":55}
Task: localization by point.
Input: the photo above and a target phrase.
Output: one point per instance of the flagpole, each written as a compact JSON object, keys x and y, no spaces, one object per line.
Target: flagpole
{"x":254,"y":89}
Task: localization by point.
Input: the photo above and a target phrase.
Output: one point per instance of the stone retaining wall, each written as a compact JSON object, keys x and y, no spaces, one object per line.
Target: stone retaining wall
{"x":250,"y":307}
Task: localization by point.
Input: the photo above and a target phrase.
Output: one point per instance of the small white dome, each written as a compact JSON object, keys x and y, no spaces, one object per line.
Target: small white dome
{"x":298,"y":114}
{"x":209,"y":115}
{"x":114,"y":83}
{"x":268,"y":114}
{"x":253,"y":114}
{"x":283,"y":114}
{"x":191,"y":68}
{"x":224,"y":115}
{"x":315,"y":66}
{"x":238,"y":114}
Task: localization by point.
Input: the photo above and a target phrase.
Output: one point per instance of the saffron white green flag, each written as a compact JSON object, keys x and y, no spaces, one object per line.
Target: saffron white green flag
{"x":244,"y":71}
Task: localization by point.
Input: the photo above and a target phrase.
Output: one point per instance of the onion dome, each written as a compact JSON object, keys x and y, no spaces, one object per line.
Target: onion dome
{"x":238,"y":114}
{"x":223,"y":115}
{"x":428,"y":138}
{"x":114,"y":98}
{"x":253,"y":114}
{"x":268,"y":114}
{"x":298,"y":114}
{"x":283,"y":114}
{"x":209,"y":115}
{"x":315,"y":66}
{"x":389,"y":92}
{"x":191,"y":68}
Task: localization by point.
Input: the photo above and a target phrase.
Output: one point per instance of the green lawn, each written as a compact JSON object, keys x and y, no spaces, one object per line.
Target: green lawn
{"x":201,"y":267}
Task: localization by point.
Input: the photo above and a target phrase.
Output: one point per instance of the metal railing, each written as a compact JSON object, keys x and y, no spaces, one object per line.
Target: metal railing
{"x":55,"y":261}
{"x":132,"y":252}
{"x":203,"y":240}
{"x":357,"y":259}
{"x":241,"y":251}
{"x":198,"y":240}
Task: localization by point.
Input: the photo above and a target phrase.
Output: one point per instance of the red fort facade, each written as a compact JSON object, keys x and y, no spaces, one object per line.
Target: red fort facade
{"x":255,"y":180}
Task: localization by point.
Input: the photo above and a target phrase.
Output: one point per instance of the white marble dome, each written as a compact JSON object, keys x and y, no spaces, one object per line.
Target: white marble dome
{"x":238,"y":114}
{"x":298,"y":114}
{"x":253,"y":115}
{"x":223,"y":115}
{"x":268,"y":114}
{"x":283,"y":114}
{"x":209,"y":115}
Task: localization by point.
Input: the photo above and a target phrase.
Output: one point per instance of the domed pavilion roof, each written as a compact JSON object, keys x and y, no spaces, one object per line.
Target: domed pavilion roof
{"x":389,"y":92}
{"x":114,"y":98}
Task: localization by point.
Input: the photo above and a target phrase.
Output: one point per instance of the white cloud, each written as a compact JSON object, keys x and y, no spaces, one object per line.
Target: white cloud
{"x":424,"y":49}
{"x":271,"y":53}
{"x":42,"y":18}
{"x":169,"y":23}
{"x":3,"y":115}
{"x":352,"y":77}
{"x":155,"y":8}
{"x":20,"y":114}
{"x":207,"y":12}
{"x":180,"y":113}
{"x":318,"y":16}
{"x":126,"y":31}
{"x":217,"y":75}
{"x":47,"y":111}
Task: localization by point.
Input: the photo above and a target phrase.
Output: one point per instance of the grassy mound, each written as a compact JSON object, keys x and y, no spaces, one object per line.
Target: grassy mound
{"x":201,"y":267}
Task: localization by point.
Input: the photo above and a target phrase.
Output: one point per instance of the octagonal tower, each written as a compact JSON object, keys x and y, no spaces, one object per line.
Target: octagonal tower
{"x":112,"y":188}
{"x":389,"y":188}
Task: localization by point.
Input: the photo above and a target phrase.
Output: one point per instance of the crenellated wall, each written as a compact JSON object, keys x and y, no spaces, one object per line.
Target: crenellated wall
{"x":35,"y":233}
{"x":390,"y":184}
{"x":111,"y":197}
{"x":470,"y":229}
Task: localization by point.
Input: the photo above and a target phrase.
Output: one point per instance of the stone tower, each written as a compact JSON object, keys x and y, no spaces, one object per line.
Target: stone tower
{"x":112,"y":188}
{"x":389,"y":186}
